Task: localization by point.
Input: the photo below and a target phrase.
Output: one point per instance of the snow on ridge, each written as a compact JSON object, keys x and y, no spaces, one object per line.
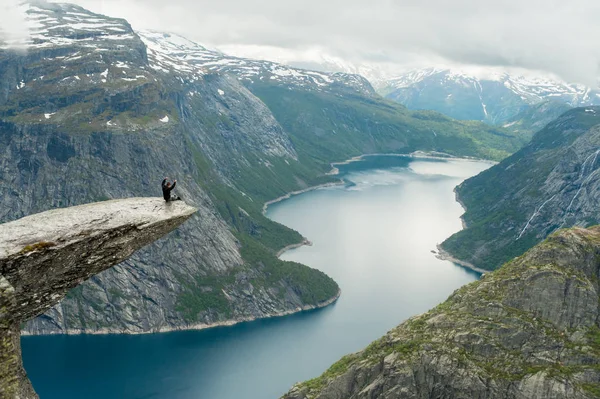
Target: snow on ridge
{"x":529,"y":87}
{"x":169,"y":51}
{"x":54,"y":24}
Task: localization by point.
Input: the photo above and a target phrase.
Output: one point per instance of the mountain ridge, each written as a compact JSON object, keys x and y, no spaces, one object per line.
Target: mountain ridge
{"x":549,"y":184}
{"x":494,"y":97}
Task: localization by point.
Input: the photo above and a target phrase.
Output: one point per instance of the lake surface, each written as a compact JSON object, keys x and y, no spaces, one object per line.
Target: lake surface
{"x":374,"y":236}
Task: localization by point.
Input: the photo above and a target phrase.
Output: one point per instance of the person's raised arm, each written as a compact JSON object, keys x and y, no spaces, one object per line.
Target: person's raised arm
{"x":163,"y":182}
{"x":174,"y":183}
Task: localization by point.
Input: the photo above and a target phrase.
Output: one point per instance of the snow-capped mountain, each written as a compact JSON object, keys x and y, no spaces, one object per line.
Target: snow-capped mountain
{"x":56,"y":25}
{"x":169,"y":51}
{"x":53,"y":25}
{"x":490,"y":95}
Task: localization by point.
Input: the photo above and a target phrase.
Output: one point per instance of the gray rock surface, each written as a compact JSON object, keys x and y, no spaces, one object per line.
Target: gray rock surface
{"x":528,"y":330}
{"x":44,"y":255}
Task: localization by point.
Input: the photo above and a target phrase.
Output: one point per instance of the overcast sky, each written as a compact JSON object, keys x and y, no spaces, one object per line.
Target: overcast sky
{"x":558,"y":36}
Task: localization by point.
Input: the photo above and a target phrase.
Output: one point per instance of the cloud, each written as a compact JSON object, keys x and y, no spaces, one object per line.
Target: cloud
{"x":551,"y":35}
{"x":14,"y":30}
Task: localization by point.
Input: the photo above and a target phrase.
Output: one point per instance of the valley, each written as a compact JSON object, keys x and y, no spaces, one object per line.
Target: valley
{"x":322,"y":208}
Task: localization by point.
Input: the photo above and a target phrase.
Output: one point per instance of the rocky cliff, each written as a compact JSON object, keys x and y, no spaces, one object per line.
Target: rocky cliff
{"x":86,"y":116}
{"x":528,"y":330}
{"x":551,"y":183}
{"x":44,"y":255}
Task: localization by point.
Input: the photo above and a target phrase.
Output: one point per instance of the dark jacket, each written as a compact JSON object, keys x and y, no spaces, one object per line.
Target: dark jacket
{"x":167,"y":190}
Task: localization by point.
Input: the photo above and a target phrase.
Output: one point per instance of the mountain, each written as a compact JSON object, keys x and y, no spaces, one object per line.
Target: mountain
{"x":551,"y":183}
{"x":491,"y":96}
{"x":527,"y":330}
{"x":535,"y":117}
{"x":329,"y":105}
{"x":169,"y":52}
{"x":93,"y":110}
{"x":84,"y":117}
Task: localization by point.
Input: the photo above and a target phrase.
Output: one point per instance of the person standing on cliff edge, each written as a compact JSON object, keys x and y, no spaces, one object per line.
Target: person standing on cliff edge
{"x":166,"y":189}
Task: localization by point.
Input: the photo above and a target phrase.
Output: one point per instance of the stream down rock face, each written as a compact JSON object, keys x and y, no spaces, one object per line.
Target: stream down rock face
{"x":552,"y":183}
{"x":44,"y":255}
{"x":528,"y":330}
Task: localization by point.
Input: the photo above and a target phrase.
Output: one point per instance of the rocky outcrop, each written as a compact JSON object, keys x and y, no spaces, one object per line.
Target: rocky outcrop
{"x":529,"y":330}
{"x":44,"y":255}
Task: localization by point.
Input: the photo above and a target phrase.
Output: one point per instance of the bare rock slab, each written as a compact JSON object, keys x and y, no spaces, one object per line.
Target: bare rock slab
{"x":44,"y":255}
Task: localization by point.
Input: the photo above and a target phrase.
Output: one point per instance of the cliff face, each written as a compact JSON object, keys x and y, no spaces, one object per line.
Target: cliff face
{"x":552,"y":183}
{"x":44,"y":255}
{"x":85,"y":116}
{"x":528,"y":330}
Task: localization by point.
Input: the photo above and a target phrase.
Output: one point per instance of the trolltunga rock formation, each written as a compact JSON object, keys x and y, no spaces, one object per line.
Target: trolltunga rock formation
{"x":44,"y":255}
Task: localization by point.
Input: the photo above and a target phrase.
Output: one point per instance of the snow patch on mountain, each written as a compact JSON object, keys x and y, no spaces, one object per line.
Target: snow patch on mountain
{"x":532,"y":89}
{"x":168,"y":52}
{"x":58,"y":25}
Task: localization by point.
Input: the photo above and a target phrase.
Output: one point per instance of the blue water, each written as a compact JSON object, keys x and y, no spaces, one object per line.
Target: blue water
{"x":374,"y":236}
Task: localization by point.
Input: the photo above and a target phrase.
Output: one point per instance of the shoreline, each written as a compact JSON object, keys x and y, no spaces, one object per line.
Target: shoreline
{"x":302,"y":243}
{"x":442,"y":254}
{"x":193,"y":327}
{"x":462,"y":205}
{"x":335,"y":171}
{"x":416,"y":155}
{"x":297,"y":192}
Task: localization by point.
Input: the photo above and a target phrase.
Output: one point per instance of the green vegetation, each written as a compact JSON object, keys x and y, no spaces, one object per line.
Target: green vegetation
{"x":264,"y":271}
{"x":323,"y":127}
{"x":327,"y":127}
{"x":500,"y":200}
{"x":536,"y":117}
{"x":593,"y":389}
{"x":36,"y":247}
{"x":203,"y":295}
{"x":311,"y":285}
{"x":337,"y":369}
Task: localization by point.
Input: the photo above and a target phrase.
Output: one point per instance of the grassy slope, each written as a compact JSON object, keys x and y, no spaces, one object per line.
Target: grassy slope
{"x":327,"y":127}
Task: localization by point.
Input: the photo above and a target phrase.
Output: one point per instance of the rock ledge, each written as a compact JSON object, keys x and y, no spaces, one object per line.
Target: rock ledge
{"x":44,"y":255}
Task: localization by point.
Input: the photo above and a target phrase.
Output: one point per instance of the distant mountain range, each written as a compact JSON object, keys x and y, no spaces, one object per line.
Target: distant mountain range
{"x":169,"y":51}
{"x":495,"y":99}
{"x":493,"y":95}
